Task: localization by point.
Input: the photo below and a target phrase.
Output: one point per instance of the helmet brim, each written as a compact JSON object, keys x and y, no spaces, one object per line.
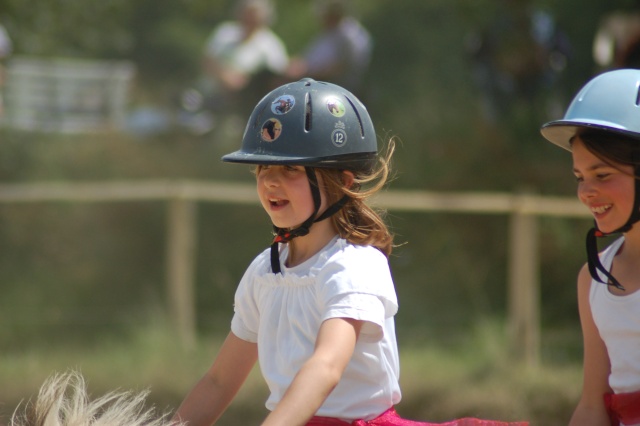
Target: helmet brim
{"x":252,"y":158}
{"x":359,"y":162}
{"x":560,"y":132}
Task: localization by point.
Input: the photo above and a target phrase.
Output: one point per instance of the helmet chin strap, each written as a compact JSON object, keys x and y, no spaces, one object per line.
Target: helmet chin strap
{"x":593,"y":260}
{"x":284,"y":235}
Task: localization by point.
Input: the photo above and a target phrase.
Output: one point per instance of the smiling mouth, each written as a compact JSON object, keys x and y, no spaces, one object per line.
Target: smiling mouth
{"x":600,"y":209}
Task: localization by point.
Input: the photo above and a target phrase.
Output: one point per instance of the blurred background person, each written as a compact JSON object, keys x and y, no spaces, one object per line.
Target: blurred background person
{"x":242,"y":59}
{"x":617,"y":41}
{"x":341,"y":53}
{"x":243,"y":54}
{"x":6,"y":47}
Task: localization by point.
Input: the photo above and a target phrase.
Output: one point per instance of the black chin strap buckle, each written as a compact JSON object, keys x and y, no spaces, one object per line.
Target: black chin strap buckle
{"x":283,"y":236}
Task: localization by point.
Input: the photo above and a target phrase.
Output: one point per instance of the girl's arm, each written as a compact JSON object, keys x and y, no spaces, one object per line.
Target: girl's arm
{"x":319,"y":375}
{"x":596,"y":367}
{"x":216,"y":389}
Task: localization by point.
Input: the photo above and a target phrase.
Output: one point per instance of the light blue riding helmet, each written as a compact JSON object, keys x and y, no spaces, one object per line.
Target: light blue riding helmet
{"x":610,"y":101}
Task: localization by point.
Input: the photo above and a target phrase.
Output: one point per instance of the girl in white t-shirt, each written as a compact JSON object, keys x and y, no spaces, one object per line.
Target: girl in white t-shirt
{"x":317,"y":308}
{"x":601,"y":128}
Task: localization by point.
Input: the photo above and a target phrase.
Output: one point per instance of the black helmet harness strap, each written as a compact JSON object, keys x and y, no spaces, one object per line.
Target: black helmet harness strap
{"x":285,"y":235}
{"x":593,"y":260}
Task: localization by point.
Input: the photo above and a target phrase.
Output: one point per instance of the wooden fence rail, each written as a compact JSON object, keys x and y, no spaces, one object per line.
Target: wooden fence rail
{"x":182,"y":196}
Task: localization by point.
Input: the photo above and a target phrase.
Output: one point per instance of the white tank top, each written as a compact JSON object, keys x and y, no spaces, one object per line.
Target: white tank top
{"x":618,"y":321}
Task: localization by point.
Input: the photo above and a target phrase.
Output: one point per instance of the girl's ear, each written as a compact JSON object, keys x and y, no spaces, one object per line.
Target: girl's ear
{"x":347,"y":178}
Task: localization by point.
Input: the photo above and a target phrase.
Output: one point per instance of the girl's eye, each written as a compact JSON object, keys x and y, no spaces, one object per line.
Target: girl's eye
{"x":603,"y":175}
{"x":579,"y":179}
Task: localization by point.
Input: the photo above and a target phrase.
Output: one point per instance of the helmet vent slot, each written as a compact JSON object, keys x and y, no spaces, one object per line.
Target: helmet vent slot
{"x":307,"y":113}
{"x":357,"y":115}
{"x":258,"y":120}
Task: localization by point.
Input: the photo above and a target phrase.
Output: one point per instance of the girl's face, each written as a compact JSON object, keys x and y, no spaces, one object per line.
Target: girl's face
{"x":285,"y":194}
{"x":606,"y":190}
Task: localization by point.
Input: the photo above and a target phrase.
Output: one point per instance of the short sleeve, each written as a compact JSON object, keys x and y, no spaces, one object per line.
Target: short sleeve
{"x":358,"y":285}
{"x":361,"y":307}
{"x":245,"y":321}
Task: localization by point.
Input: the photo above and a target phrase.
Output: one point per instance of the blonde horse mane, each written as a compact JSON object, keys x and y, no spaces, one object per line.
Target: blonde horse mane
{"x":63,"y":401}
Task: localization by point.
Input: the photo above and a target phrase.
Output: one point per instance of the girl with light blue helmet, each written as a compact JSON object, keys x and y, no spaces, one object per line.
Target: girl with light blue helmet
{"x":601,"y":129}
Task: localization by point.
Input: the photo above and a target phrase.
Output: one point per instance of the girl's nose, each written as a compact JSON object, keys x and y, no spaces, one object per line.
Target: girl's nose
{"x":270,"y":176}
{"x":586,"y":190}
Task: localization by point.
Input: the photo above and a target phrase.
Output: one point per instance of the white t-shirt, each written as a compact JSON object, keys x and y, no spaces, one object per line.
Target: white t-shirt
{"x":618,"y":321}
{"x":263,"y":50}
{"x":283,"y":313}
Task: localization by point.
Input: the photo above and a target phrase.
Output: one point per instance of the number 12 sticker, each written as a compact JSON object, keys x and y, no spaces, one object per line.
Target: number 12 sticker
{"x":338,"y":137}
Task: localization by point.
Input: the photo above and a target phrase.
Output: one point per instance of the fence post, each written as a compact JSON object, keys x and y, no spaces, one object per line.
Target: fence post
{"x":524,"y":293}
{"x":181,"y":247}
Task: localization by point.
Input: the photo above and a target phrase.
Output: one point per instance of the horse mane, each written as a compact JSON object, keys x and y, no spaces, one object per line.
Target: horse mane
{"x":63,"y":401}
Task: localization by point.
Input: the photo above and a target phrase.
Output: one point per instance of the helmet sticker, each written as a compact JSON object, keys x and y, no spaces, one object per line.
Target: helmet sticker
{"x":282,"y":104}
{"x":339,"y":136}
{"x":271,"y":130}
{"x":335,"y":106}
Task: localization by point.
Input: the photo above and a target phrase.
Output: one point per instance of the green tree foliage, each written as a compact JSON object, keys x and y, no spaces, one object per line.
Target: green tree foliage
{"x":420,"y":87}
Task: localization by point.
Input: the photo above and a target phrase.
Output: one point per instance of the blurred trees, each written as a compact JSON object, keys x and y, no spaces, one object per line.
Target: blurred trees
{"x":421,"y":87}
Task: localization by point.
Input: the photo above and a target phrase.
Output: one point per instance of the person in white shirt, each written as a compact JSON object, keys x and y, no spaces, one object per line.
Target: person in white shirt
{"x":601,"y":128}
{"x":317,"y":308}
{"x":244,"y":53}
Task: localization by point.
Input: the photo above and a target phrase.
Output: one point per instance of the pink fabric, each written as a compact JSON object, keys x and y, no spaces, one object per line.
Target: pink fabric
{"x":391,"y":418}
{"x":623,"y":407}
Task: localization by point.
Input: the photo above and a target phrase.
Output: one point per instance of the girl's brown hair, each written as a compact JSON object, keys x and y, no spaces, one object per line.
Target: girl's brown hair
{"x":357,"y":222}
{"x":611,"y":147}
